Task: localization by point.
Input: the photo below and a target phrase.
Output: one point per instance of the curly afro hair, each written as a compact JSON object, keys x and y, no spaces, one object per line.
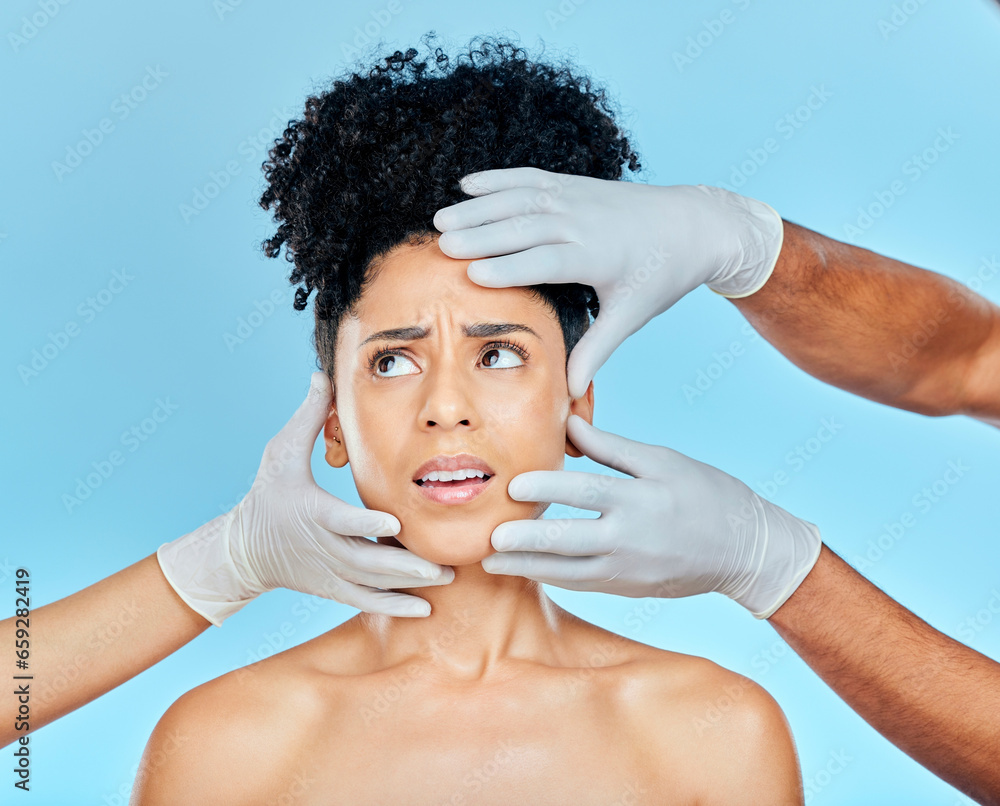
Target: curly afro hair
{"x":377,"y":155}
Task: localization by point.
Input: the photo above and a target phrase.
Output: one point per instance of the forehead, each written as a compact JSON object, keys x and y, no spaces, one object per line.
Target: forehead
{"x":419,"y":284}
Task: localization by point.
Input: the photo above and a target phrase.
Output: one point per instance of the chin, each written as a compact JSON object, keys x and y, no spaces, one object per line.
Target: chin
{"x":451,"y":536}
{"x":448,"y":546}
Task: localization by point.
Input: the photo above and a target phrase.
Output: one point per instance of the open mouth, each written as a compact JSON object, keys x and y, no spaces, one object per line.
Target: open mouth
{"x":457,"y":479}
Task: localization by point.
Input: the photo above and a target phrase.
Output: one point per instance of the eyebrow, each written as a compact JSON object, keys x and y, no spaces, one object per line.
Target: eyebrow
{"x":476,"y":330}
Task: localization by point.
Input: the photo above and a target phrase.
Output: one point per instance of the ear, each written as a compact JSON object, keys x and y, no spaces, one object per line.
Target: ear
{"x":583,"y":407}
{"x":336,"y":452}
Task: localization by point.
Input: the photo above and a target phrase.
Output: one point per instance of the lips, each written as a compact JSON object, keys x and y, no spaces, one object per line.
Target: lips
{"x":449,"y":464}
{"x":442,"y":488}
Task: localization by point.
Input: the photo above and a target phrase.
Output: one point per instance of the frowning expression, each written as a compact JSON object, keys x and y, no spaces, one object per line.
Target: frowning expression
{"x":435,"y":371}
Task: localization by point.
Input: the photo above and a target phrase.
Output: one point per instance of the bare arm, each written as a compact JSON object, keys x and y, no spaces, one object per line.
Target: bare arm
{"x":880,"y":328}
{"x":934,"y":698}
{"x":93,"y":641}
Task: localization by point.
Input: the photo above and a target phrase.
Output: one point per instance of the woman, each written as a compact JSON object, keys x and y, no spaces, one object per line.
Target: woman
{"x":444,"y":391}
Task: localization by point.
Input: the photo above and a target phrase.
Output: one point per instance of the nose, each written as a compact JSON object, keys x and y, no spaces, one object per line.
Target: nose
{"x":449,"y":401}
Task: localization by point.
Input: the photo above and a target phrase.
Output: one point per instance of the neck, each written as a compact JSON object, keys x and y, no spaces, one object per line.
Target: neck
{"x":479,"y":623}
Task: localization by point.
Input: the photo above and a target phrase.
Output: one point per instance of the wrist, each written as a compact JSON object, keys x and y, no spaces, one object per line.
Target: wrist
{"x":785,"y":550}
{"x":200,"y":567}
{"x":759,"y":237}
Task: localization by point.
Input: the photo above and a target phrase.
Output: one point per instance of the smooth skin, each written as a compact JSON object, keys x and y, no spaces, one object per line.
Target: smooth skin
{"x":499,"y":696}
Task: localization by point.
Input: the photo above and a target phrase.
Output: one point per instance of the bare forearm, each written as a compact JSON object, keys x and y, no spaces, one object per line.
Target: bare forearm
{"x":88,"y":643}
{"x":880,"y":328}
{"x":934,"y":698}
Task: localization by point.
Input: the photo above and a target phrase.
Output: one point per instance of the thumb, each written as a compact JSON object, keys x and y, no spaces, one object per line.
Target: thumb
{"x":595,"y":347}
{"x":611,"y":450}
{"x":305,"y":425}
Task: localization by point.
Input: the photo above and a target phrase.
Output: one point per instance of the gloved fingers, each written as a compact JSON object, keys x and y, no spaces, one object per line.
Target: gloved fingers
{"x":346,"y":526}
{"x":612,"y":450}
{"x":495,"y":179}
{"x":291,"y":447}
{"x":504,"y":236}
{"x":371,"y":563}
{"x":371,"y":600}
{"x":574,"y":573}
{"x":548,"y":263}
{"x":611,"y":327}
{"x":570,"y":487}
{"x":341,"y":518}
{"x":574,"y":537}
{"x":394,"y":604}
{"x":519,"y":202}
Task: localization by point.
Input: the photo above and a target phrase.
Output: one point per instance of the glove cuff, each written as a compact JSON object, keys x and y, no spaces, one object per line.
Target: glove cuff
{"x":200,"y":568}
{"x":788,"y":549}
{"x":762,"y":233}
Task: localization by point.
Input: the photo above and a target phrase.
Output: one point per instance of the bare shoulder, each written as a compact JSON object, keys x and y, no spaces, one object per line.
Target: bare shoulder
{"x":692,"y":713}
{"x":234,"y":739}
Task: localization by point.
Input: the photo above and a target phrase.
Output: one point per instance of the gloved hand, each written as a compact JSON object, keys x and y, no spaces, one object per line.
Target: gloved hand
{"x":678,"y":528}
{"x":642,"y":247}
{"x":289,"y":533}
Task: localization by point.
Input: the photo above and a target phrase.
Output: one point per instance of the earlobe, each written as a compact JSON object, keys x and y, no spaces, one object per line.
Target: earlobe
{"x":582,"y":407}
{"x":336,"y":452}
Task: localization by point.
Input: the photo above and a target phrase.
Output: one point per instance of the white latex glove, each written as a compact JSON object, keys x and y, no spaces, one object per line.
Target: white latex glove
{"x":678,"y":528}
{"x":289,"y":533}
{"x":642,"y":247}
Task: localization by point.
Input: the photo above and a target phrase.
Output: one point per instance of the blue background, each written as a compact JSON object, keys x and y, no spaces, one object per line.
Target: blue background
{"x":231,"y":74}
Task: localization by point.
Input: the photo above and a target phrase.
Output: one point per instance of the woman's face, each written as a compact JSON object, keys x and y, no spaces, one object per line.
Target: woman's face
{"x":467,"y":370}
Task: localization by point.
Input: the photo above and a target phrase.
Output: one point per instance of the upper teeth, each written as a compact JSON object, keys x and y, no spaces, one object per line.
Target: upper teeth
{"x":452,"y":475}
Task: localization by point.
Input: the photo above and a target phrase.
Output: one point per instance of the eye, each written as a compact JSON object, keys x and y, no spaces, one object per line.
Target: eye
{"x":392,"y":364}
{"x":500,"y":355}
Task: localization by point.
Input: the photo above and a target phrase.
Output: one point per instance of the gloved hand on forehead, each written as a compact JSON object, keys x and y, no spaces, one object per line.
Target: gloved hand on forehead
{"x":642,"y":247}
{"x":289,"y":533}
{"x":677,"y":528}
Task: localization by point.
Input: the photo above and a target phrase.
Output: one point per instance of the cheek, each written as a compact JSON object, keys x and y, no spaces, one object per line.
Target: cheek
{"x":536,"y":424}
{"x":371,"y":446}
